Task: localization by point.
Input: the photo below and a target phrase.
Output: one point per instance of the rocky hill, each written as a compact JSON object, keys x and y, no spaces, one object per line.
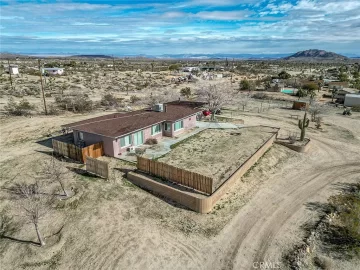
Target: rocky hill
{"x":316,"y":55}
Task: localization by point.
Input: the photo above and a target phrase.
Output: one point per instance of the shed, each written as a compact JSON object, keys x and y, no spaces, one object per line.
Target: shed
{"x":298,"y":105}
{"x":12,"y":69}
{"x":352,"y":100}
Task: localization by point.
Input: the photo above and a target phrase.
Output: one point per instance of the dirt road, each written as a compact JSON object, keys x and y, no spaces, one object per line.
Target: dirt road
{"x":270,"y":222}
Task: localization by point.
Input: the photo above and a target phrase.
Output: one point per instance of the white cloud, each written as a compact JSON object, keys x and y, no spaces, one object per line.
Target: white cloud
{"x":89,"y":23}
{"x":221,"y":15}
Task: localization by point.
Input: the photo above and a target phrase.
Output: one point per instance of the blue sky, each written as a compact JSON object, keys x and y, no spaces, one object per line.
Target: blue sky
{"x":179,"y":27}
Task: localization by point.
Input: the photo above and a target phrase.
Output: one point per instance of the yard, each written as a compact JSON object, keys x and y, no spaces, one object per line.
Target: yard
{"x":218,"y":153}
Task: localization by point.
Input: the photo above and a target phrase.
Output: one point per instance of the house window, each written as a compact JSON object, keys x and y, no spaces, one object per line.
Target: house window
{"x":179,"y":125}
{"x":138,"y":138}
{"x":81,"y":136}
{"x":167,"y":127}
{"x":125,"y":141}
{"x":155,"y":129}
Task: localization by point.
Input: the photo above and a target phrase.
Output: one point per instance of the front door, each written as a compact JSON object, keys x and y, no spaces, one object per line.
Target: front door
{"x":138,"y":138}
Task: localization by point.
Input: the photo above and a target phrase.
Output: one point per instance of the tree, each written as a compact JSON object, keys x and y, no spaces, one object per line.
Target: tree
{"x":186,"y":91}
{"x":33,"y":204}
{"x":53,"y":171}
{"x":245,"y":85}
{"x":334,"y":91}
{"x":316,"y":109}
{"x":343,"y":77}
{"x":244,"y":101}
{"x":174,"y":67}
{"x":284,"y":75}
{"x":152,"y":66}
{"x":216,"y":97}
{"x":310,"y":86}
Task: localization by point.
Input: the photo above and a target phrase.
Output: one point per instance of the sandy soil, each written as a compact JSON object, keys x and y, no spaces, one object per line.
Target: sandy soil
{"x":115,"y":225}
{"x":217,"y":153}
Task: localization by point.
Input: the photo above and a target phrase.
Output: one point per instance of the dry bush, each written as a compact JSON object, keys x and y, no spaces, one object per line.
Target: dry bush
{"x":151,"y":141}
{"x":21,"y":108}
{"x":134,"y":99}
{"x":77,"y":103}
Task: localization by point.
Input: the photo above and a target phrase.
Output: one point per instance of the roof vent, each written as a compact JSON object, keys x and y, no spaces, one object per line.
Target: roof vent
{"x":159,"y":107}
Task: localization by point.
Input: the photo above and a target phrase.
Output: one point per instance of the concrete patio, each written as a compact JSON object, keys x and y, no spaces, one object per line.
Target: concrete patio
{"x":164,"y":144}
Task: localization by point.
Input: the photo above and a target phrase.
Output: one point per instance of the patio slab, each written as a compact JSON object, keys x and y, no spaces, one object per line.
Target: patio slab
{"x":164,"y":145}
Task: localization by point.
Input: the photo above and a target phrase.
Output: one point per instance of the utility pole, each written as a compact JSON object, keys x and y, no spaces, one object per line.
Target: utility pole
{"x":11,"y":84}
{"x":113,"y":63}
{"x":42,"y":87}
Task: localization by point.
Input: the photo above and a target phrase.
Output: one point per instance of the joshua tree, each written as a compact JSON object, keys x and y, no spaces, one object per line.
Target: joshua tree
{"x":186,"y":91}
{"x":303,"y":124}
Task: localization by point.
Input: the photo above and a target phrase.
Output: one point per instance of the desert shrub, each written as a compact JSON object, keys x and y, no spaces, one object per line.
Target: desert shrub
{"x":151,"y":141}
{"x":322,"y":263}
{"x":140,"y":151}
{"x":260,"y":95}
{"x":109,"y":100}
{"x":134,"y":99}
{"x":78,"y":103}
{"x":32,"y":90}
{"x":186,"y":91}
{"x":292,"y":137}
{"x":53,"y":109}
{"x":356,"y":109}
{"x":19,"y":109}
{"x":31,"y":71}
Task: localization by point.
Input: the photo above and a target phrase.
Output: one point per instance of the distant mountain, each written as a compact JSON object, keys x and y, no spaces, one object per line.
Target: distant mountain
{"x":6,"y":55}
{"x":316,"y":55}
{"x":90,"y":56}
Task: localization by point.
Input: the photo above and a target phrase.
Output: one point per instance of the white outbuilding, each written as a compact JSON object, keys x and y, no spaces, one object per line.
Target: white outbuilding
{"x":53,"y":71}
{"x":12,"y":69}
{"x":352,"y":100}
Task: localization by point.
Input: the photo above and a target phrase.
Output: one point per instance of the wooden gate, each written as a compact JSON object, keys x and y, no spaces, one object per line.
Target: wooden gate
{"x":77,"y":153}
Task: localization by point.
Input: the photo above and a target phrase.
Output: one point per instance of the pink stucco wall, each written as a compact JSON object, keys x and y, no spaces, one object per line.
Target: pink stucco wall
{"x":189,"y":122}
{"x":112,"y":146}
{"x":147,"y":134}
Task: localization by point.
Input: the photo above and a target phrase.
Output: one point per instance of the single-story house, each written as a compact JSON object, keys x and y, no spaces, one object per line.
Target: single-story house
{"x":53,"y":71}
{"x":345,"y":91}
{"x":121,"y":132}
{"x":338,"y":85}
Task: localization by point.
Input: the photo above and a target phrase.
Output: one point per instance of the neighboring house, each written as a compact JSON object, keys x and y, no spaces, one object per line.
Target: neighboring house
{"x":12,"y":69}
{"x":190,"y":69}
{"x":352,"y":100}
{"x":53,"y":71}
{"x":338,"y":85}
{"x":340,"y":94}
{"x":121,"y":132}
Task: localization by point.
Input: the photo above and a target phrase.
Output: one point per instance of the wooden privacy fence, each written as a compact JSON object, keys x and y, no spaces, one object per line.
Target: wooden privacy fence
{"x":98,"y":167}
{"x":176,"y":175}
{"x":77,"y":153}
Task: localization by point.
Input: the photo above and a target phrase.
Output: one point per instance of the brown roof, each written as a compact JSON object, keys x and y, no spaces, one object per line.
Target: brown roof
{"x":118,"y":124}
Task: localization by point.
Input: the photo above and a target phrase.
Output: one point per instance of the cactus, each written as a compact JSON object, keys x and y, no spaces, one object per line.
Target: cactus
{"x":303,"y":124}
